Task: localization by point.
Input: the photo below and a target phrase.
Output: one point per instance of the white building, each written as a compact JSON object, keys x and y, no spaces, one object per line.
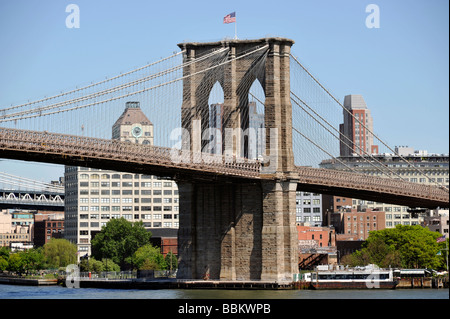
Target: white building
{"x":94,"y":196}
{"x":309,"y":209}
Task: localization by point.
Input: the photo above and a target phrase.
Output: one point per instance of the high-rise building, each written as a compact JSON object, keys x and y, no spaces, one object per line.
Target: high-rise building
{"x":215,"y":124}
{"x":95,"y":196}
{"x":257,"y":134}
{"x":355,"y":135}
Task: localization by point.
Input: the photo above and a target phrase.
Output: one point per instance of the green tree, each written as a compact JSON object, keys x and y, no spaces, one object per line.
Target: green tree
{"x":376,"y":252}
{"x":15,"y":263}
{"x":119,"y":240}
{"x":4,"y":258}
{"x":60,"y":253}
{"x":149,"y":257}
{"x":98,"y":266}
{"x":4,"y":252}
{"x":3,"y":263}
{"x":33,"y":259}
{"x":402,"y":246}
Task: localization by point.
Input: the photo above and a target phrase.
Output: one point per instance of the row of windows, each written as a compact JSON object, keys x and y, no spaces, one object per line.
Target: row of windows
{"x":107,"y":200}
{"x":307,"y":194}
{"x":126,"y":184}
{"x":128,"y":216}
{"x":128,"y":208}
{"x":114,"y":176}
{"x":416,"y":179}
{"x":398,"y":216}
{"x":308,"y":202}
{"x":14,"y":236}
{"x":147,"y":225}
{"x":53,"y":224}
{"x":307,"y":210}
{"x":393,"y":224}
{"x":355,"y":225}
{"x":361,"y":218}
{"x":136,"y":192}
{"x":300,"y":219}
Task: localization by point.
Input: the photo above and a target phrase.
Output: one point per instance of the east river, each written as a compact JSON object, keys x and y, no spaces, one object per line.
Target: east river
{"x":58,"y":292}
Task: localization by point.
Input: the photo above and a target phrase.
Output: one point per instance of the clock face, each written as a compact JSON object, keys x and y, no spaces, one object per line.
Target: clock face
{"x":137,"y":131}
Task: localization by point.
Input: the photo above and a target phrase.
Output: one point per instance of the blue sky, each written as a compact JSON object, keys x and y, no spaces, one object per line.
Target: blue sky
{"x":401,"y":68}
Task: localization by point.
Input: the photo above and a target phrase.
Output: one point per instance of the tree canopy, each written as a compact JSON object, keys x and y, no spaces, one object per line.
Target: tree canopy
{"x":60,"y":253}
{"x":55,"y":254}
{"x":149,"y":257}
{"x":402,"y":246}
{"x":119,"y":240}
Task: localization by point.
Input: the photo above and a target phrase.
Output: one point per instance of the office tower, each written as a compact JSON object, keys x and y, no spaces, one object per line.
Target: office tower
{"x":355,"y":135}
{"x":257,"y":139}
{"x":216,"y":132}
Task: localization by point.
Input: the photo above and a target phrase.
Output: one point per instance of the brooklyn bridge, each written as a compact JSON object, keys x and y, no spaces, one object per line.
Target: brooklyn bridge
{"x":237,"y":211}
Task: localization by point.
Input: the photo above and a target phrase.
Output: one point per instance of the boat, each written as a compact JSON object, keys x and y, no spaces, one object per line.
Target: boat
{"x":355,"y":278}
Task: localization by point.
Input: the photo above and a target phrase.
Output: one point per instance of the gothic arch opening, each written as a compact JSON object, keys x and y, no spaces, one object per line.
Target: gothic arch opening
{"x":255,"y":136}
{"x":214,"y":131}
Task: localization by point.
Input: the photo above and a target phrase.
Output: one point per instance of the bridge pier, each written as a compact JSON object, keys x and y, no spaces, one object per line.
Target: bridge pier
{"x":279,"y":233}
{"x":240,"y":230}
{"x":243,"y":231}
{"x":220,"y":231}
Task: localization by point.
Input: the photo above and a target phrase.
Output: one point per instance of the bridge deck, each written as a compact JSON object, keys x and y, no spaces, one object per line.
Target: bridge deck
{"x":111,"y":154}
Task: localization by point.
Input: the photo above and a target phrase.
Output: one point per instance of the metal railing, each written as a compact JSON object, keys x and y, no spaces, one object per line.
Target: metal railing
{"x":336,"y":178}
{"x":88,"y":147}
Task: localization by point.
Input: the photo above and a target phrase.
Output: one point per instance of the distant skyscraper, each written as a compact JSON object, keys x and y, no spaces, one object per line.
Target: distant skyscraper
{"x":359,"y":140}
{"x":215,"y":123}
{"x":257,"y":138}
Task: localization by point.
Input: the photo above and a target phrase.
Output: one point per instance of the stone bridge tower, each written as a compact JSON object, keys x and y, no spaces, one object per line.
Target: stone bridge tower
{"x":239,"y":230}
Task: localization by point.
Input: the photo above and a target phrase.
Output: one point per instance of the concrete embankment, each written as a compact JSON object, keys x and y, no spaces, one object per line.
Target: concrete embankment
{"x":423,"y":282}
{"x":27,"y":282}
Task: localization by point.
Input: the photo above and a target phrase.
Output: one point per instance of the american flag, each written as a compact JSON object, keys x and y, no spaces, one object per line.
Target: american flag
{"x":230,"y":18}
{"x":440,"y":239}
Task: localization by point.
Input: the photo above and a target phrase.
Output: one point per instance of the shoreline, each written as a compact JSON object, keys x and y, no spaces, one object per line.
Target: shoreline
{"x":155,"y":284}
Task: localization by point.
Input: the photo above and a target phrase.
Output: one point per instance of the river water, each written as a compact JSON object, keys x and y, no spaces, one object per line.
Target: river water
{"x":58,"y":292}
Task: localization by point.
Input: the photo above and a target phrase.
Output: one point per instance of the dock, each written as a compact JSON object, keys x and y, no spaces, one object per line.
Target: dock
{"x":27,"y":281}
{"x":182,"y":284}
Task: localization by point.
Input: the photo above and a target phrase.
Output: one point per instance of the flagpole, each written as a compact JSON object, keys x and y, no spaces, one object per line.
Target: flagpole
{"x":235,"y":29}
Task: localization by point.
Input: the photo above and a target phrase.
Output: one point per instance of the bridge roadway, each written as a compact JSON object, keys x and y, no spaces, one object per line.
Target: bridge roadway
{"x":185,"y":165}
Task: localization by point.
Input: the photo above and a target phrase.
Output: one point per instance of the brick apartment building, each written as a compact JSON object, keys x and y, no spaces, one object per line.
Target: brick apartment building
{"x":48,"y":225}
{"x":357,"y":224}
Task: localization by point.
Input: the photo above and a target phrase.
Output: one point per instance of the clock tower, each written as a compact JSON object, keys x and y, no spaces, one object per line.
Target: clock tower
{"x":133,"y":126}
